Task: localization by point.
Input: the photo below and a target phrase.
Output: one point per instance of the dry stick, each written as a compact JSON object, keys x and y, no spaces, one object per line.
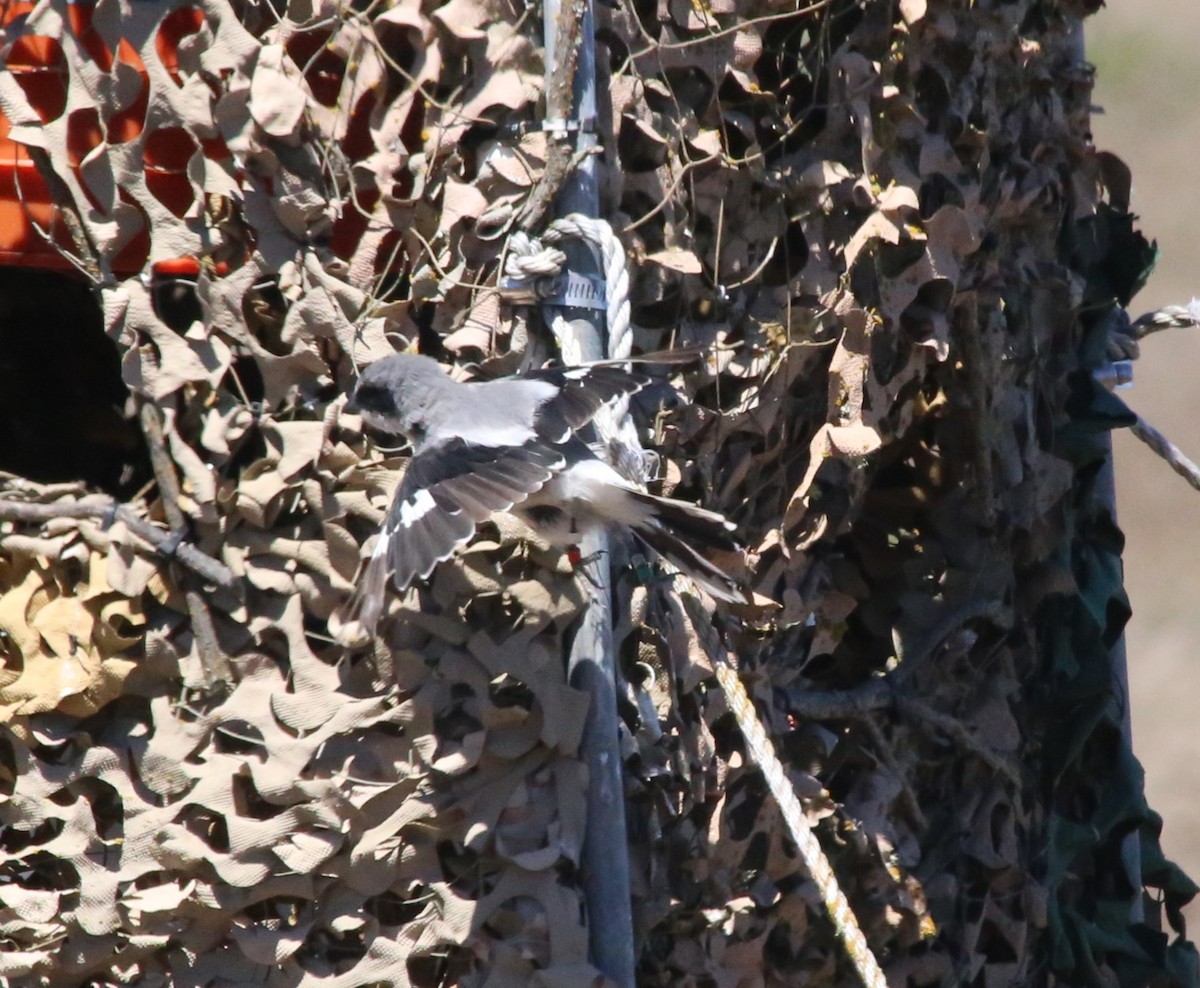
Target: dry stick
{"x":60,"y":195}
{"x":874,"y":694}
{"x":103,"y":508}
{"x":559,"y":100}
{"x":880,"y":694}
{"x":213,"y":660}
{"x":883,"y":751}
{"x":958,"y":732}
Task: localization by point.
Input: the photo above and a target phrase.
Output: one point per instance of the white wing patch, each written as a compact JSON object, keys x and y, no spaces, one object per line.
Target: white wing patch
{"x":421,"y":504}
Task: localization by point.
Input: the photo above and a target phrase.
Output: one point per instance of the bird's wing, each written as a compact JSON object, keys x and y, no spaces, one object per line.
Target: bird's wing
{"x":446,"y":491}
{"x":582,"y":391}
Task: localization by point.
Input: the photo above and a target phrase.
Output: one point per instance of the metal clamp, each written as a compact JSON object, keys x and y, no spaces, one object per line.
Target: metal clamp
{"x":573,"y":291}
{"x":557,"y":125}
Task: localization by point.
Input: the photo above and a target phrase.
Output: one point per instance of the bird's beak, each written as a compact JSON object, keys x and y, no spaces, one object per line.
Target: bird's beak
{"x":351,"y":407}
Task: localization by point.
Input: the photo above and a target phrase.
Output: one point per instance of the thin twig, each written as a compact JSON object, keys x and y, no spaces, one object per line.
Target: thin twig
{"x":164,"y":469}
{"x":958,"y":732}
{"x":68,"y":212}
{"x":213,"y":660}
{"x":883,"y":751}
{"x":724,"y":32}
{"x":667,"y":195}
{"x":560,"y":101}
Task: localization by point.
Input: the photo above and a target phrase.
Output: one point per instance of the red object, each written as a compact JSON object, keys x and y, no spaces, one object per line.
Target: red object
{"x":166,"y":153}
{"x":574,"y":555}
{"x":177,"y":267}
{"x":31,"y":231}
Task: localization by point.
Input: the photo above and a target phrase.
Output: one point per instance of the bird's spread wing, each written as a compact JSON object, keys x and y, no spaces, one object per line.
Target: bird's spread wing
{"x":446,"y":491}
{"x":582,"y":391}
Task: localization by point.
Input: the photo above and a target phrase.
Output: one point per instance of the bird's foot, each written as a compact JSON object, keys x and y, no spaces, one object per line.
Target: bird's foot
{"x":580,"y":563}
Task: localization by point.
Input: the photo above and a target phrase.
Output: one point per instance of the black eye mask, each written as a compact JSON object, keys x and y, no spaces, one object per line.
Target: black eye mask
{"x":372,"y":398}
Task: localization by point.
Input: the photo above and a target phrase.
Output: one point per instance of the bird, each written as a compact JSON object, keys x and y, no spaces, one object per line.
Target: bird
{"x":514,"y":444}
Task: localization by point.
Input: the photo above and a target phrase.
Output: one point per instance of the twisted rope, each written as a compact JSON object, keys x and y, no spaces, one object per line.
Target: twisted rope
{"x":600,"y":234}
{"x":1175,"y":457}
{"x":530,"y":258}
{"x":762,"y":752}
{"x":1124,"y":336}
{"x":1170,"y":317}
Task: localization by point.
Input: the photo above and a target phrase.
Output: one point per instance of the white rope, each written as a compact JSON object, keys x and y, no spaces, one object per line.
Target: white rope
{"x":528,"y":258}
{"x":1123,"y":337}
{"x":762,"y":753}
{"x":1170,"y":317}
{"x":600,"y":234}
{"x":1176,"y":459}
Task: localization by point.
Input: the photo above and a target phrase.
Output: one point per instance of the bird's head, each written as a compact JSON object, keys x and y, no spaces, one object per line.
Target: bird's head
{"x":392,"y":394}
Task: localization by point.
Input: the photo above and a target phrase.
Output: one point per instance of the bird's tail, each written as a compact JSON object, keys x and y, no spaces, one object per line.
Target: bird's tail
{"x":686,"y":520}
{"x":675,"y":528}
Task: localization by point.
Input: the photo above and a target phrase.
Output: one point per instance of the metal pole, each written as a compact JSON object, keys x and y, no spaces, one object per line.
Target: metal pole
{"x":605,"y":853}
{"x":1106,"y":496}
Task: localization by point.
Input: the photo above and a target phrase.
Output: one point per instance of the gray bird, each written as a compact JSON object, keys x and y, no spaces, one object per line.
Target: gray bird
{"x":512,"y":444}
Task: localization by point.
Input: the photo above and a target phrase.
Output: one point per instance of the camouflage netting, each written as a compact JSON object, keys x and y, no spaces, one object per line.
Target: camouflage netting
{"x":888,"y":220}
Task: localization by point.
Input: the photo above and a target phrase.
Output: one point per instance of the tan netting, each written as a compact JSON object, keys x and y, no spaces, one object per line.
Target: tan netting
{"x":202,"y":787}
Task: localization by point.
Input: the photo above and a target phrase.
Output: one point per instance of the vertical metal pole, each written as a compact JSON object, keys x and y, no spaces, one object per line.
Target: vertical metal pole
{"x":591,"y":668}
{"x":1106,"y":495}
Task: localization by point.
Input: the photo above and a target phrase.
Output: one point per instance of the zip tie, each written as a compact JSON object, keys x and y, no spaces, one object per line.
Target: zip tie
{"x":555,"y":125}
{"x":1114,"y":375}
